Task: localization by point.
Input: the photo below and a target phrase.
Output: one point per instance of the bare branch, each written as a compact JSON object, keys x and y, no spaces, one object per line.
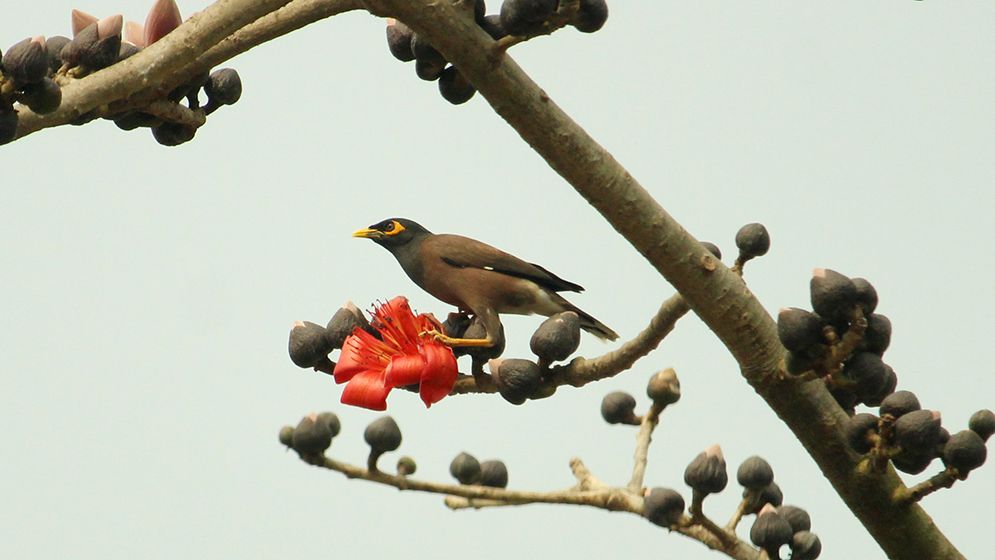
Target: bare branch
{"x":643,"y":440}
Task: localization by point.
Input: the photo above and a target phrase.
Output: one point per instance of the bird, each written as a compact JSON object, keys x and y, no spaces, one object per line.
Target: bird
{"x":477,"y":278}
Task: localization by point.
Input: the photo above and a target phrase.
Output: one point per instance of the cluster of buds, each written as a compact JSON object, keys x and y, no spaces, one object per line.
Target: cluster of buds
{"x":663,"y":389}
{"x":842,"y":339}
{"x":27,"y":70}
{"x":466,"y":469}
{"x":314,"y":433}
{"x":518,"y":20}
{"x":912,"y":437}
{"x":519,"y":380}
{"x":31,"y":71}
{"x":775,"y":525}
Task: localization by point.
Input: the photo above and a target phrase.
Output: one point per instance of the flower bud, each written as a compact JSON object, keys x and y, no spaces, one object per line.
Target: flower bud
{"x":399,"y":40}
{"x":429,"y":63}
{"x":868,"y":373}
{"x":891,"y":381}
{"x":456,"y":324}
{"x":796,"y":517}
{"x":899,"y":403}
{"x":406,"y":466}
{"x":557,"y":337}
{"x":130,"y":120}
{"x":465,"y":468}
{"x":54,"y":46}
{"x":664,"y":387}
{"x":492,"y":25}
{"x":494,"y":473}
{"x":26,"y":62}
{"x":982,"y":423}
{"x":805,"y":545}
{"x":173,"y":134}
{"x":311,"y":436}
{"x":912,"y":463}
{"x":223,"y":87}
{"x":754,"y":473}
{"x":332,"y":421}
{"x":96,"y":46}
{"x":309,"y":344}
{"x":857,"y":428}
{"x":43,"y":96}
{"x":877,"y":336}
{"x":833,"y":295}
{"x":347,"y":319}
{"x":770,"y":494}
{"x":663,"y":506}
{"x":516,"y":379}
{"x":770,"y":531}
{"x":965,"y":451}
{"x":127,"y":50}
{"x":481,"y":353}
{"x":287,"y":436}
{"x":706,"y":473}
{"x":591,"y":16}
{"x":752,"y":240}
{"x":918,"y":432}
{"x":799,"y":329}
{"x":867,"y":296}
{"x":713,"y":249}
{"x":618,"y":408}
{"x":526,"y":17}
{"x":383,"y":435}
{"x":454,"y":87}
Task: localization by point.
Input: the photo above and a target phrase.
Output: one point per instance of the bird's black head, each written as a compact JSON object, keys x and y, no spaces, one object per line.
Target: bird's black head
{"x":393,"y":233}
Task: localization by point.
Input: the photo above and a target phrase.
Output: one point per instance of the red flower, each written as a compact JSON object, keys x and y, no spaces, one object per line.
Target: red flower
{"x":371,"y":367}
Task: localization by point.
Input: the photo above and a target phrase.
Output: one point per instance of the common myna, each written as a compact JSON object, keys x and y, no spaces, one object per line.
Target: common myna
{"x":477,"y":278}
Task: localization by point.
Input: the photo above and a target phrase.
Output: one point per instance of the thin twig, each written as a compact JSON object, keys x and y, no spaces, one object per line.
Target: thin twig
{"x":737,"y":515}
{"x":643,"y":439}
{"x":698,"y":517}
{"x":944,"y":479}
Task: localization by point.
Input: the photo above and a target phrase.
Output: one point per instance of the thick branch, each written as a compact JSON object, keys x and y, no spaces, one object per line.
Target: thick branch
{"x":716,"y":294}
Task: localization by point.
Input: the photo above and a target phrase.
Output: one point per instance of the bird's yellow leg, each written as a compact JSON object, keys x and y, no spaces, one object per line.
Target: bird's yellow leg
{"x":464,"y":342}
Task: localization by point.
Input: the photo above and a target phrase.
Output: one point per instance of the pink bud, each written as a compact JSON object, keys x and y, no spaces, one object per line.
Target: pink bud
{"x":134,"y":33}
{"x":110,"y":26}
{"x":81,"y":20}
{"x":163,"y":18}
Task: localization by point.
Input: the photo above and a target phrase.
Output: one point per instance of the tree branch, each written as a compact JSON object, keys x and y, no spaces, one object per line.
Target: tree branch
{"x":155,"y":70}
{"x":716,"y":294}
{"x":587,"y":492}
{"x":581,"y":371}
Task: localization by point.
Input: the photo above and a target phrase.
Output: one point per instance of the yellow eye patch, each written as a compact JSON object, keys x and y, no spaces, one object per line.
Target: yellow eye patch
{"x":394,"y":228}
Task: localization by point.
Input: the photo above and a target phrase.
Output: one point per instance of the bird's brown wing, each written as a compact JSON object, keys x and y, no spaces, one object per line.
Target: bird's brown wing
{"x":463,"y":252}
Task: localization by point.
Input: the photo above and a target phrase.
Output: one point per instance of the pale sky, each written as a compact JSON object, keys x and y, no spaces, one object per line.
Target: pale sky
{"x":150,"y":290}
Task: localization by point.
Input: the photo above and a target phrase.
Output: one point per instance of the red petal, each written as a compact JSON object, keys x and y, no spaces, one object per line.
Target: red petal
{"x":361,"y":351}
{"x":366,"y":390}
{"x":405,"y":369}
{"x":163,"y":18}
{"x":439,"y":374}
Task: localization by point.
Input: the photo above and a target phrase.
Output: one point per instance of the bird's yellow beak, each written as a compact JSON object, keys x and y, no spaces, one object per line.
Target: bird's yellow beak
{"x":367,"y":233}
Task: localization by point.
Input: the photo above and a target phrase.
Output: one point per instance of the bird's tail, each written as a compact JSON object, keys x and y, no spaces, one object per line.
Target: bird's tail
{"x":590,"y":324}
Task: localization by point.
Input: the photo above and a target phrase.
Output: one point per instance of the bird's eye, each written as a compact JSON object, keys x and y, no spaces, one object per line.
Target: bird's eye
{"x":389,"y":226}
